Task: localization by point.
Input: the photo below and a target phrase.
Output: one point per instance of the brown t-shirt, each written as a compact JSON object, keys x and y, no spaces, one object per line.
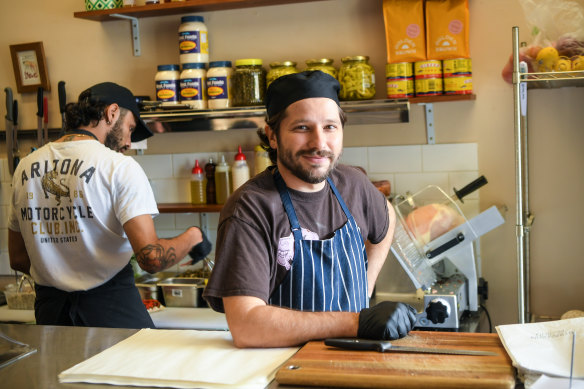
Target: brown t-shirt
{"x":253,"y":222}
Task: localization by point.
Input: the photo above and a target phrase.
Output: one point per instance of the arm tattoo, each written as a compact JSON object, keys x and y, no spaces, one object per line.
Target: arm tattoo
{"x":153,"y":256}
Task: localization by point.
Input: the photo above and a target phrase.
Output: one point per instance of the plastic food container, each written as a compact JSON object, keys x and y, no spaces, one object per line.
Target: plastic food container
{"x":183,"y":292}
{"x":20,"y":296}
{"x":148,"y":286}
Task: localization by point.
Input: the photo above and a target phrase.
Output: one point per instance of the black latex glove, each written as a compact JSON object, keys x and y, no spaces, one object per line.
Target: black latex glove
{"x":200,"y":250}
{"x":387,"y":320}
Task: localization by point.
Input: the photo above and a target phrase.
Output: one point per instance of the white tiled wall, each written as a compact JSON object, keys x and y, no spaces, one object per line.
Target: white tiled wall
{"x":408,"y":168}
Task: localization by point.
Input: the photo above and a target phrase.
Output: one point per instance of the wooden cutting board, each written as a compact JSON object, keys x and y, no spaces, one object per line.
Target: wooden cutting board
{"x":318,"y":365}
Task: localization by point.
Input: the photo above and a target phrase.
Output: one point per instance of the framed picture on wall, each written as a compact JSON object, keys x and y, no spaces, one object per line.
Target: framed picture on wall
{"x":30,"y":70}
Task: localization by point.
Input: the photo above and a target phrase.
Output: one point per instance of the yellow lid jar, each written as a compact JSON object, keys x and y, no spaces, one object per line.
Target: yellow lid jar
{"x":249,"y":82}
{"x":323,"y":64}
{"x":279,"y":69}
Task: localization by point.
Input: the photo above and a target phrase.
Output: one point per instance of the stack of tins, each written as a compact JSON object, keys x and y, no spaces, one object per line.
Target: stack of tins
{"x":400,"y":80}
{"x":428,"y":77}
{"x":457,"y":76}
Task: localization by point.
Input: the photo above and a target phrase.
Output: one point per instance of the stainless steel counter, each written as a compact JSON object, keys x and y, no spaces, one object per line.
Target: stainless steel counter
{"x":59,"y":348}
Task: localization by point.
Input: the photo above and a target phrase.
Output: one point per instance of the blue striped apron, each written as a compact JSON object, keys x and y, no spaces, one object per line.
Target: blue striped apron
{"x":326,"y":275}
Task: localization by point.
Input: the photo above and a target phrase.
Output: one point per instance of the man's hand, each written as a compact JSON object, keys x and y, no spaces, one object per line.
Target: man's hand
{"x":386,"y":321}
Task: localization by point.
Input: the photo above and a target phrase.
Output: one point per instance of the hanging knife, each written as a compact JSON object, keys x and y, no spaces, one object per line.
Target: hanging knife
{"x":46,"y":121}
{"x":40,"y":117}
{"x":16,"y":152}
{"x":62,"y":104}
{"x":386,"y":346}
{"x":9,"y":132}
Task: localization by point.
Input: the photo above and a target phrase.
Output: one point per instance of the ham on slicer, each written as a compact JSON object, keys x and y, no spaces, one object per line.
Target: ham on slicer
{"x":434,"y":243}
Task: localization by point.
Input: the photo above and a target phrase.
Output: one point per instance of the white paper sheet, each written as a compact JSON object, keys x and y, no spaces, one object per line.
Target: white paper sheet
{"x":546,"y":347}
{"x":545,"y":382}
{"x":180,"y":359}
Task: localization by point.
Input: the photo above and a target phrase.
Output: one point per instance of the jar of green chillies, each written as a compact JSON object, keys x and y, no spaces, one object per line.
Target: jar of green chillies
{"x":279,"y":69}
{"x":323,"y":64}
{"x":248,"y":82}
{"x":357,"y":78}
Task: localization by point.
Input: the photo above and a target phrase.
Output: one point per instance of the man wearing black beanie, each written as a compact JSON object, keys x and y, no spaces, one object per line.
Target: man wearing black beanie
{"x":299,"y":246}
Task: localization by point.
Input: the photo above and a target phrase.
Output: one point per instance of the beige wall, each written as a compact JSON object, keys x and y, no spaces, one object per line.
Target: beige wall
{"x":83,"y":52}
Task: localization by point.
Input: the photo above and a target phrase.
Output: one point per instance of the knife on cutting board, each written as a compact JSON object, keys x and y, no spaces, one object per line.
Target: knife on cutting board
{"x":40,"y":94}
{"x":384,"y":346}
{"x":9,"y":132}
{"x":62,"y":105}
{"x":15,"y":150}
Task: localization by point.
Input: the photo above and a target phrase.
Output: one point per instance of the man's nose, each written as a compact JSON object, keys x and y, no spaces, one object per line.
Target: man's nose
{"x":318,"y":138}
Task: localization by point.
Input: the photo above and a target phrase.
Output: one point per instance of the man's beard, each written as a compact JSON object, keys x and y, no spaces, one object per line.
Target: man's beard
{"x":309,"y":175}
{"x":114,"y":138}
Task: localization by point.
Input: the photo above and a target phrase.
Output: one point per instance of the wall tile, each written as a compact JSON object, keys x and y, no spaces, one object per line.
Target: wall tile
{"x":4,"y":172}
{"x":186,"y":220}
{"x":4,"y":239}
{"x":155,"y":166}
{"x":4,"y":216}
{"x":356,"y":156}
{"x":402,"y":159}
{"x":5,"y":193}
{"x":171,"y":191}
{"x":450,"y":157}
{"x":5,"y":264}
{"x":164,"y":221}
{"x":417,"y":181}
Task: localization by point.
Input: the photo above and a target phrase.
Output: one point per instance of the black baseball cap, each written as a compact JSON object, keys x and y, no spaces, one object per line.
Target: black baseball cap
{"x":290,"y":88}
{"x":110,"y":93}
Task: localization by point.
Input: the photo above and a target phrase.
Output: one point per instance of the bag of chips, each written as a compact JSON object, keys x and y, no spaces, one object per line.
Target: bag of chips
{"x":404,"y":30}
{"x":447,"y":25}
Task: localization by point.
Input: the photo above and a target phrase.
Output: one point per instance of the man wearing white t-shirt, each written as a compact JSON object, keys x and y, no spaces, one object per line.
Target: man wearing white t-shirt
{"x":80,"y":209}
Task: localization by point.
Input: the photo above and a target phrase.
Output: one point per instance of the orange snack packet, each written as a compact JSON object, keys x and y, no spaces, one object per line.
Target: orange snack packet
{"x":447,"y":25}
{"x":404,"y":30}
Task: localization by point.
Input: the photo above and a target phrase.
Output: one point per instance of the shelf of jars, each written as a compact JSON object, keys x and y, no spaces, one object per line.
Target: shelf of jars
{"x":178,"y":7}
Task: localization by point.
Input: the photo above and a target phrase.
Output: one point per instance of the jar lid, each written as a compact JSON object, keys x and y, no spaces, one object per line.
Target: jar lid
{"x":197,"y":169}
{"x":283,"y":63}
{"x":168,"y":67}
{"x":193,"y":65}
{"x":248,"y":61}
{"x":321,"y":61}
{"x":220,"y":64}
{"x":192,"y":18}
{"x":355,"y":58}
{"x":239,"y":156}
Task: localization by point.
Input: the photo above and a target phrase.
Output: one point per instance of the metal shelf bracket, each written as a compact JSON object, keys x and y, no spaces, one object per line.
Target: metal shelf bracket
{"x":135,"y":32}
{"x":429,"y":109}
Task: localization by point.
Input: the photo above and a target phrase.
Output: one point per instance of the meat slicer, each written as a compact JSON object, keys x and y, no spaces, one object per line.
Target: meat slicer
{"x":435,"y":244}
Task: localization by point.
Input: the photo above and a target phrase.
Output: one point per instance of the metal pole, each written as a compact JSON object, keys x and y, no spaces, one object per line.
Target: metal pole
{"x":518,"y":177}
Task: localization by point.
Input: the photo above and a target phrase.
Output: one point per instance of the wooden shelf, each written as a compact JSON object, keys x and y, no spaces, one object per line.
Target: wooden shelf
{"x":175,"y":8}
{"x":188,"y":208}
{"x":441,"y":98}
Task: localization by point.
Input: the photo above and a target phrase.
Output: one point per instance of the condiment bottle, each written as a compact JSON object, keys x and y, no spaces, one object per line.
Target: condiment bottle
{"x":240,"y":170}
{"x":219,"y":84}
{"x":261,"y":160}
{"x":210,"y":174}
{"x":192,"y":85}
{"x":222,"y":181}
{"x":192,"y":40}
{"x":198,"y":184}
{"x":167,"y":84}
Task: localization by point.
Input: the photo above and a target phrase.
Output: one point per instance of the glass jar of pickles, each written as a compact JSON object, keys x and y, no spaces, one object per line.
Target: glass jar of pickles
{"x":248,"y":82}
{"x":279,"y":69}
{"x":357,"y":78}
{"x":323,"y":64}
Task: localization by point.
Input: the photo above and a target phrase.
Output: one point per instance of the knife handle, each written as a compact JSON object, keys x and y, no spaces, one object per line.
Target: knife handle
{"x":46,"y":110}
{"x":62,"y":96}
{"x":468,"y":189}
{"x":15,"y":112}
{"x":40,"y":93}
{"x":9,"y":99}
{"x":355,"y":344}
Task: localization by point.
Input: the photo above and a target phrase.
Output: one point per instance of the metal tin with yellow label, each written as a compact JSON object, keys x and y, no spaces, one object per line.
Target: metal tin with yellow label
{"x":428,"y":86}
{"x":399,"y":70}
{"x":456,"y":66}
{"x":400,"y":87}
{"x":428,"y":69}
{"x":459,"y":85}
